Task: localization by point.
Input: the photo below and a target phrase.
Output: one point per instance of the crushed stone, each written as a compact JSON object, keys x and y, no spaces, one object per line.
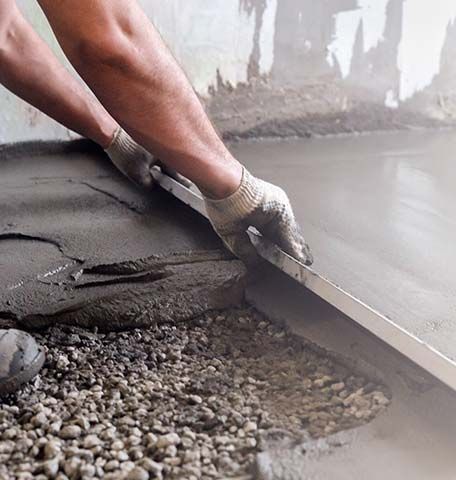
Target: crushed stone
{"x":176,"y":401}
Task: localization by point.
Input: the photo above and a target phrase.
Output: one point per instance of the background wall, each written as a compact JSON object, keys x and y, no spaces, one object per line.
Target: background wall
{"x":295,"y":67}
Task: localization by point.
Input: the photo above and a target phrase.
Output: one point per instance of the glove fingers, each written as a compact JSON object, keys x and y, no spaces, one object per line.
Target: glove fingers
{"x":142,"y":177}
{"x":173,"y":174}
{"x":145,"y":177}
{"x":287,"y":235}
{"x":177,"y":176}
{"x":241,"y":246}
{"x":146,"y":180}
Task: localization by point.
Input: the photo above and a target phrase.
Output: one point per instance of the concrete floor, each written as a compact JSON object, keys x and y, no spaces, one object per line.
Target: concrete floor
{"x":379,"y":212}
{"x":80,"y":244}
{"x":414,"y":439}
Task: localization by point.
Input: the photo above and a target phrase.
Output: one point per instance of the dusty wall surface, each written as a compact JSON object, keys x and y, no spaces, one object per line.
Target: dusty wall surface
{"x":295,"y":67}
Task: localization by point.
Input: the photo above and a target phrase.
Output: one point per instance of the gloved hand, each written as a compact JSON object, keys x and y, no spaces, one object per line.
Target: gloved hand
{"x":264,"y":206}
{"x":135,"y":162}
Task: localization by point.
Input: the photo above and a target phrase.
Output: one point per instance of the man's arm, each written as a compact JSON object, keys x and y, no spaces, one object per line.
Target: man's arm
{"x":29,"y":68}
{"x":123,"y":59}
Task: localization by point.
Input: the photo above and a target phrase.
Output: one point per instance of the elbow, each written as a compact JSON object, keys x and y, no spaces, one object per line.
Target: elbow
{"x":8,"y":27}
{"x":108,"y":49}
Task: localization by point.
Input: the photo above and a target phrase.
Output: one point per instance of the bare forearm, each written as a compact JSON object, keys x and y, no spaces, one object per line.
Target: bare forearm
{"x":29,"y":69}
{"x":122,"y":58}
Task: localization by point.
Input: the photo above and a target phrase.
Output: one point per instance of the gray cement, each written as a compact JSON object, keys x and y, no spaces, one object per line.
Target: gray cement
{"x":378,"y":214}
{"x":68,"y":264}
{"x":80,"y":245}
{"x":413,"y":439}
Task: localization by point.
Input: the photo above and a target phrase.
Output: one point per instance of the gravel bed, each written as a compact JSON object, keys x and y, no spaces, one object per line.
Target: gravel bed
{"x":189,"y":401}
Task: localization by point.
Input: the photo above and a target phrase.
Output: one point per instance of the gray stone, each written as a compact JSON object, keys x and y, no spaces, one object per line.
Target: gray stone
{"x":70,"y":432}
{"x":138,"y":473}
{"x":51,"y":449}
{"x":51,"y":467}
{"x":91,"y":441}
{"x":168,"y":440}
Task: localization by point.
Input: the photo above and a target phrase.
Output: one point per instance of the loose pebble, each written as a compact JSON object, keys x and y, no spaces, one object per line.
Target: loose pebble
{"x":192,"y":400}
{"x":70,"y":432}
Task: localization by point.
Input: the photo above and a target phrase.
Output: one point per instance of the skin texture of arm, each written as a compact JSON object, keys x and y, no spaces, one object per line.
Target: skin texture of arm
{"x":30,"y":69}
{"x":121,"y":56}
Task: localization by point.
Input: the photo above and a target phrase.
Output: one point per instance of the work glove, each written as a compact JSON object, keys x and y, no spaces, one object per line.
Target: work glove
{"x":135,"y":162}
{"x":264,"y":206}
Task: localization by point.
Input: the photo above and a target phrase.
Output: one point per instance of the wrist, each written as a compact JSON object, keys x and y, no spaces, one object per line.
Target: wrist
{"x":105,"y":132}
{"x":223,"y":181}
{"x":240,"y":204}
{"x":112,"y":139}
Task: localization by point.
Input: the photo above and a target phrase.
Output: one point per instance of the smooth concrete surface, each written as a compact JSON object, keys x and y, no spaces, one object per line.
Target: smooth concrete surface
{"x":415,"y":438}
{"x":285,"y":67}
{"x":379,"y":214}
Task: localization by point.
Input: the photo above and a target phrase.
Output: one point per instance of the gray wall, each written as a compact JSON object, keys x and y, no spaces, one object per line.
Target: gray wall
{"x":295,"y":67}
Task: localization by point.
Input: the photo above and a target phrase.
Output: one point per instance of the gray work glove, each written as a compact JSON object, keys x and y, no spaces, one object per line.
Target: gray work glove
{"x":135,"y":162}
{"x":261,"y":205}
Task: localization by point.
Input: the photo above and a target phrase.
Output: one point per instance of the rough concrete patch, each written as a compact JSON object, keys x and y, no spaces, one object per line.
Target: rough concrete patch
{"x":175,"y":293}
{"x":25,"y":258}
{"x":156,"y":262}
{"x":11,"y":151}
{"x":85,"y":246}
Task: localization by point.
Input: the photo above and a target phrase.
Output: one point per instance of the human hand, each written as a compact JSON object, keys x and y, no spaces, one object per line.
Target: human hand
{"x":135,"y":162}
{"x":261,"y":205}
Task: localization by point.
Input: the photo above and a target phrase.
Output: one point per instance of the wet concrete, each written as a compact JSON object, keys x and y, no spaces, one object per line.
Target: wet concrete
{"x":67,"y":263}
{"x":378,"y":212}
{"x":414,"y":438}
{"x":80,"y":245}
